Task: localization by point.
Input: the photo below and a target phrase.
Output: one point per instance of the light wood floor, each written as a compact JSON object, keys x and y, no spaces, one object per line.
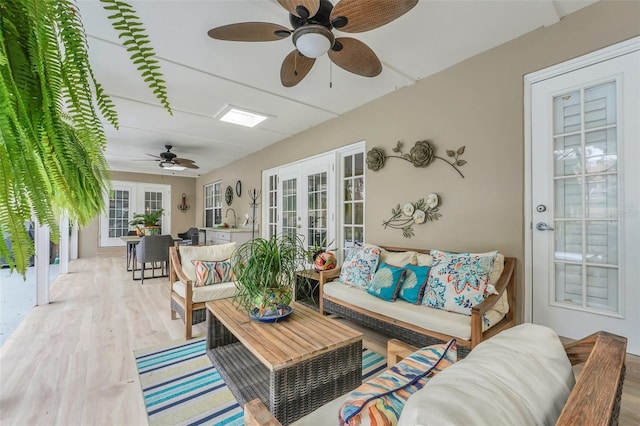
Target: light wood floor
{"x":71,"y":362}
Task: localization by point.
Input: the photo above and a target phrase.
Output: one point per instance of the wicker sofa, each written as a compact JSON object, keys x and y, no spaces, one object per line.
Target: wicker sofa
{"x":540,"y":384}
{"x":187,"y":300}
{"x":421,"y":325}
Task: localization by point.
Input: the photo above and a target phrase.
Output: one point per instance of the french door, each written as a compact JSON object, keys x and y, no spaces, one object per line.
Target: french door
{"x":300,"y":200}
{"x":127,"y":199}
{"x":585,"y":200}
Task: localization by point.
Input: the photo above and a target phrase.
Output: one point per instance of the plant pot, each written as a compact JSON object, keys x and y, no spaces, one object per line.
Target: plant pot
{"x":151,"y":230}
{"x":271,"y":304}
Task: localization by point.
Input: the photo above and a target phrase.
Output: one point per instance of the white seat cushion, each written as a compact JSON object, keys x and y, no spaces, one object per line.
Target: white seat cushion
{"x":207,"y":293}
{"x":521,"y":376}
{"x":449,"y":323}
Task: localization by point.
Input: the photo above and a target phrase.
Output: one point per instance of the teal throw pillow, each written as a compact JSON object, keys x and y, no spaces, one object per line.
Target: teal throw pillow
{"x":386,"y":282}
{"x":415,"y":281}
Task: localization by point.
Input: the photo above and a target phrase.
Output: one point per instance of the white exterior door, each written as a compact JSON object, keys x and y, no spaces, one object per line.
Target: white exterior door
{"x":125,"y":200}
{"x":585,"y":200}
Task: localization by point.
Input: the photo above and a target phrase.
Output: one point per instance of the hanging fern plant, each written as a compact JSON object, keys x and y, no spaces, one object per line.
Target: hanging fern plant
{"x":52,"y":140}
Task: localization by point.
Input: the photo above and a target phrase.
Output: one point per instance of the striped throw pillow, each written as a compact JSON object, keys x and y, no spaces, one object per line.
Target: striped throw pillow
{"x":212,"y":272}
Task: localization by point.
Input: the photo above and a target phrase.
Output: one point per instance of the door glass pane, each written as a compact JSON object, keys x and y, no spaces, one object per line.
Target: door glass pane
{"x":602,"y":197}
{"x":567,"y":155}
{"x":568,"y":241}
{"x":602,"y":288}
{"x":569,"y":284}
{"x":569,"y":198}
{"x":601,"y":150}
{"x":586,"y":188}
{"x":600,"y":105}
{"x":567,"y":113}
{"x":602,"y":242}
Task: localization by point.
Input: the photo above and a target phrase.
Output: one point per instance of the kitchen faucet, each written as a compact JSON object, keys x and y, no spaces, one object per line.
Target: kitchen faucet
{"x":234,"y":216}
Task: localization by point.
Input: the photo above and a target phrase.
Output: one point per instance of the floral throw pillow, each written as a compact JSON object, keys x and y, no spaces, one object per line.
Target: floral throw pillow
{"x":414,"y":284}
{"x":212,"y":272}
{"x":458,"y":282}
{"x":359,"y":266}
{"x":386,"y":282}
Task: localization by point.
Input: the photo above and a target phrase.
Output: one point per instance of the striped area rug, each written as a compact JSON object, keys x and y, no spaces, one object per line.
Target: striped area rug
{"x":181,"y":387}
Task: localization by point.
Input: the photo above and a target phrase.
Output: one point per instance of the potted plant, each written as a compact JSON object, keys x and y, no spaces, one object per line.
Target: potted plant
{"x":265,"y":273}
{"x":150,"y":221}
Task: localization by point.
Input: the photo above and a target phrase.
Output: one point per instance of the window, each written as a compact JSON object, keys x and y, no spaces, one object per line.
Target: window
{"x":212,"y":204}
{"x":352,"y":200}
{"x":272,"y":198}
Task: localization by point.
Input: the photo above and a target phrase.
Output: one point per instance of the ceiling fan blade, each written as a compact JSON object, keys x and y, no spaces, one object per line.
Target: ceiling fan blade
{"x":355,"y":56}
{"x":294,"y":68}
{"x":185,"y":162}
{"x":301,"y":8}
{"x":141,"y":159}
{"x":154,"y":156}
{"x":250,"y":31}
{"x":356,"y":16}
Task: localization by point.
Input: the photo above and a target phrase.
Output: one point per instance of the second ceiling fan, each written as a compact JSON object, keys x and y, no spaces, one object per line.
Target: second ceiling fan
{"x":312,"y":22}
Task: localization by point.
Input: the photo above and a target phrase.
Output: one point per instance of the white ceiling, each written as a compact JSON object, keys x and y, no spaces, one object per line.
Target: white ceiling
{"x":204,"y":75}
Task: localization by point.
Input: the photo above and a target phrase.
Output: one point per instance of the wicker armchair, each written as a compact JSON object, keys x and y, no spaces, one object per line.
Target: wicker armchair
{"x":188,"y":300}
{"x":153,"y":249}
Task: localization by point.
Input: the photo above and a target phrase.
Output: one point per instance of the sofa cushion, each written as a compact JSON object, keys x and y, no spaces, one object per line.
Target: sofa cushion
{"x":414,"y":283}
{"x":398,"y":258}
{"x":380,"y":400}
{"x":208,"y":292}
{"x":458,"y":282}
{"x":212,"y":272}
{"x":424,"y":259}
{"x":359,"y":266}
{"x":212,"y":253}
{"x":524,"y":370}
{"x":449,"y":323}
{"x":386,"y":282}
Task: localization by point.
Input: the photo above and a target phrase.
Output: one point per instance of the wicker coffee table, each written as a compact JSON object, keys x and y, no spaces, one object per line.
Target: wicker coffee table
{"x":293,"y":366}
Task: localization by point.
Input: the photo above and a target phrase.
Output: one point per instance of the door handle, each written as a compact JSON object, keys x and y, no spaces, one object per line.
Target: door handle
{"x":541,"y":226}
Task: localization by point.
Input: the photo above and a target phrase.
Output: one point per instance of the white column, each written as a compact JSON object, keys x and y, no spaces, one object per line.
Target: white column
{"x":63,"y":255}
{"x":42,"y":264}
{"x":73,"y":242}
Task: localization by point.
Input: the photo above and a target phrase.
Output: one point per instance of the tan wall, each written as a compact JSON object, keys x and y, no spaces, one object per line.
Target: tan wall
{"x":88,"y":236}
{"x":478,"y":104}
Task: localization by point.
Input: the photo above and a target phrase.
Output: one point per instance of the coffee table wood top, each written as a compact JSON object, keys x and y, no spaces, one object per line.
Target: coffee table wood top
{"x":304,"y":335}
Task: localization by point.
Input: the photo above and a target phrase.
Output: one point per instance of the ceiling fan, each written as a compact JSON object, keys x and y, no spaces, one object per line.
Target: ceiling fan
{"x":312,"y":22}
{"x":169,"y":160}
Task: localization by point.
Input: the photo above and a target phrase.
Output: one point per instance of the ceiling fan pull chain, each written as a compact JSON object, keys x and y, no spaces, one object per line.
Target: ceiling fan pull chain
{"x":295,"y":65}
{"x":330,"y":75}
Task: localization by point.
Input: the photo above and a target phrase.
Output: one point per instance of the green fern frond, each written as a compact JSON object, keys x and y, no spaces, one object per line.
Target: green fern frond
{"x":129,"y":28}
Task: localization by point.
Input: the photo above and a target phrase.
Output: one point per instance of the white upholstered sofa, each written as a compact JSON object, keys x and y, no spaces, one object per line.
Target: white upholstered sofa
{"x":521,"y":376}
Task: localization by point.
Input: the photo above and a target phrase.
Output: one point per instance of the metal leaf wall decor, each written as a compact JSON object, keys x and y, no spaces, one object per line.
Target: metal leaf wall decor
{"x":423,"y":210}
{"x":420,"y":155}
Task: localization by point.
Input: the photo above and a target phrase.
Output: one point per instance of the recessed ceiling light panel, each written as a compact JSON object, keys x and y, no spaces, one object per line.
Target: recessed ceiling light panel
{"x":242,"y":116}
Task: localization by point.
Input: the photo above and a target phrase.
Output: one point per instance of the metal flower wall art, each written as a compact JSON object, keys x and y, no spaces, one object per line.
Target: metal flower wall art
{"x":421,"y":155}
{"x":425,"y":209}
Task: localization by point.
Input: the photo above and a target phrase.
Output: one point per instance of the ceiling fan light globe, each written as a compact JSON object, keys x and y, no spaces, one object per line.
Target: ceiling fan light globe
{"x":313,"y":41}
